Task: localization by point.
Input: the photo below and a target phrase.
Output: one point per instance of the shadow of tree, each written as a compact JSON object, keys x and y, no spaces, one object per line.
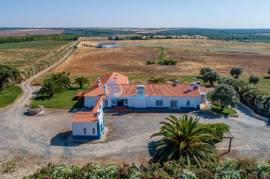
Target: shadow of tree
{"x":207,"y":114}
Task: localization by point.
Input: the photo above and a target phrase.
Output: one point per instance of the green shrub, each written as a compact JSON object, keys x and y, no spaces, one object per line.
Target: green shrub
{"x":96,"y":171}
{"x":228,"y":170}
{"x":218,"y":130}
{"x":159,"y":79}
{"x":263,"y":170}
{"x":247,"y":168}
{"x":150,"y":62}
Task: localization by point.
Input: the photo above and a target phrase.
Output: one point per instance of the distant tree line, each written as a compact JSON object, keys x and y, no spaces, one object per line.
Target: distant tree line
{"x":12,"y":39}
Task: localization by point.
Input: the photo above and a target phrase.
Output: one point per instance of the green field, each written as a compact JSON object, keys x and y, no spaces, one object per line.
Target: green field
{"x":9,"y":95}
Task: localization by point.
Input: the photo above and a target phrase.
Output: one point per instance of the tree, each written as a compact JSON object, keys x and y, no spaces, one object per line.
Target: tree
{"x":254,"y":79}
{"x":47,"y":89}
{"x":210,"y":77}
{"x":224,"y":95}
{"x":205,"y":70}
{"x":8,"y":74}
{"x":184,"y":140}
{"x":236,"y":72}
{"x":61,"y":80}
{"x":81,"y":81}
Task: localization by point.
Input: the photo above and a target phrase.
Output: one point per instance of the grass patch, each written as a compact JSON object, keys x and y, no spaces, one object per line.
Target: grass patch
{"x":263,"y":85}
{"x":226,"y":111}
{"x":61,"y":100}
{"x":9,"y":95}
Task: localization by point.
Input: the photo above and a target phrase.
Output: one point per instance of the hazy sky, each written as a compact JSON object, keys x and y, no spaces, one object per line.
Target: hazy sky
{"x":135,"y":13}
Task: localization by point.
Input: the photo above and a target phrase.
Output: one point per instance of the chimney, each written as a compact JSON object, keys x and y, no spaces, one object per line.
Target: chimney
{"x":139,"y":90}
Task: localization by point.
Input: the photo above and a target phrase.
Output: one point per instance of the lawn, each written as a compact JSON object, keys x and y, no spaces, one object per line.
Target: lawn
{"x":9,"y":95}
{"x":263,"y":85}
{"x":225,"y":112}
{"x":61,"y":100}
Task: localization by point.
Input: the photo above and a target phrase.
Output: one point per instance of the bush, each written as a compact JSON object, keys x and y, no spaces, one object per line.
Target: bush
{"x":8,"y":76}
{"x":263,"y":170}
{"x":157,"y":79}
{"x":167,"y":62}
{"x":150,"y":62}
{"x":226,"y":169}
{"x":218,"y":130}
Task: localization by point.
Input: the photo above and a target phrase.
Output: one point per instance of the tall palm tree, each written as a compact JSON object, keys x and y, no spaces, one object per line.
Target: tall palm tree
{"x":184,"y":140}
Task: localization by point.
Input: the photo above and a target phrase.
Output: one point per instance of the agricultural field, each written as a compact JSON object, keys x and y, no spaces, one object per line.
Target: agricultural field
{"x":25,"y":54}
{"x":130,"y":58}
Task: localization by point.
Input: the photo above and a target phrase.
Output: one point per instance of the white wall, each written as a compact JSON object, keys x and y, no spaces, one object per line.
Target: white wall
{"x":150,"y":101}
{"x":78,"y":128}
{"x":90,"y":101}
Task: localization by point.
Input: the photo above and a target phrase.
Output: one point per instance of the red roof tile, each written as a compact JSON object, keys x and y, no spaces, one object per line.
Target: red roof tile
{"x":115,"y":78}
{"x":155,"y":90}
{"x":90,"y":116}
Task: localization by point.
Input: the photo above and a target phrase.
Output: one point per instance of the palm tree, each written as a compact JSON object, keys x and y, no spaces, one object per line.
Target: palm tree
{"x":184,"y":140}
{"x":81,"y":81}
{"x":61,"y":80}
{"x":48,"y":89}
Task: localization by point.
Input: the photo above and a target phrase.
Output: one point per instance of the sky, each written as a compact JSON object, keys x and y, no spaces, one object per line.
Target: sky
{"x":135,"y":13}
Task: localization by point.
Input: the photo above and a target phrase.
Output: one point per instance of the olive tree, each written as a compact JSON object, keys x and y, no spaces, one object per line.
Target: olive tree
{"x":254,"y":79}
{"x":210,"y":77}
{"x":224,"y":95}
{"x":236,"y":72}
{"x":205,"y":70}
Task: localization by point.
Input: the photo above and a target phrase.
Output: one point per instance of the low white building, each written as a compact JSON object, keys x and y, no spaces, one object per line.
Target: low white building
{"x":114,"y":90}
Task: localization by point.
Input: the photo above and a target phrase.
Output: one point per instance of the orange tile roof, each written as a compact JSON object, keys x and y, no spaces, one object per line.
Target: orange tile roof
{"x":157,"y":90}
{"x":117,"y":78}
{"x":90,"y":116}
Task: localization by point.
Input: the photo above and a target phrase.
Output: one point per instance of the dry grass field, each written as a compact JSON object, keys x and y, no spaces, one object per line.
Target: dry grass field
{"x":131,"y":56}
{"x":25,"y":54}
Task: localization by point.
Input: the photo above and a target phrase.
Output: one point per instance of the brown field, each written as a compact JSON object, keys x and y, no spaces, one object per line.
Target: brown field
{"x":131,"y":56}
{"x":20,"y":32}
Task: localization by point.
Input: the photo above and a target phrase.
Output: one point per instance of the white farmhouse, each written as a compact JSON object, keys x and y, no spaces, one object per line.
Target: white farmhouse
{"x":114,"y":90}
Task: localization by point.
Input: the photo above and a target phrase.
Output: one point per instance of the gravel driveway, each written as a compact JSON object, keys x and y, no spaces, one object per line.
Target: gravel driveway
{"x":128,"y":138}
